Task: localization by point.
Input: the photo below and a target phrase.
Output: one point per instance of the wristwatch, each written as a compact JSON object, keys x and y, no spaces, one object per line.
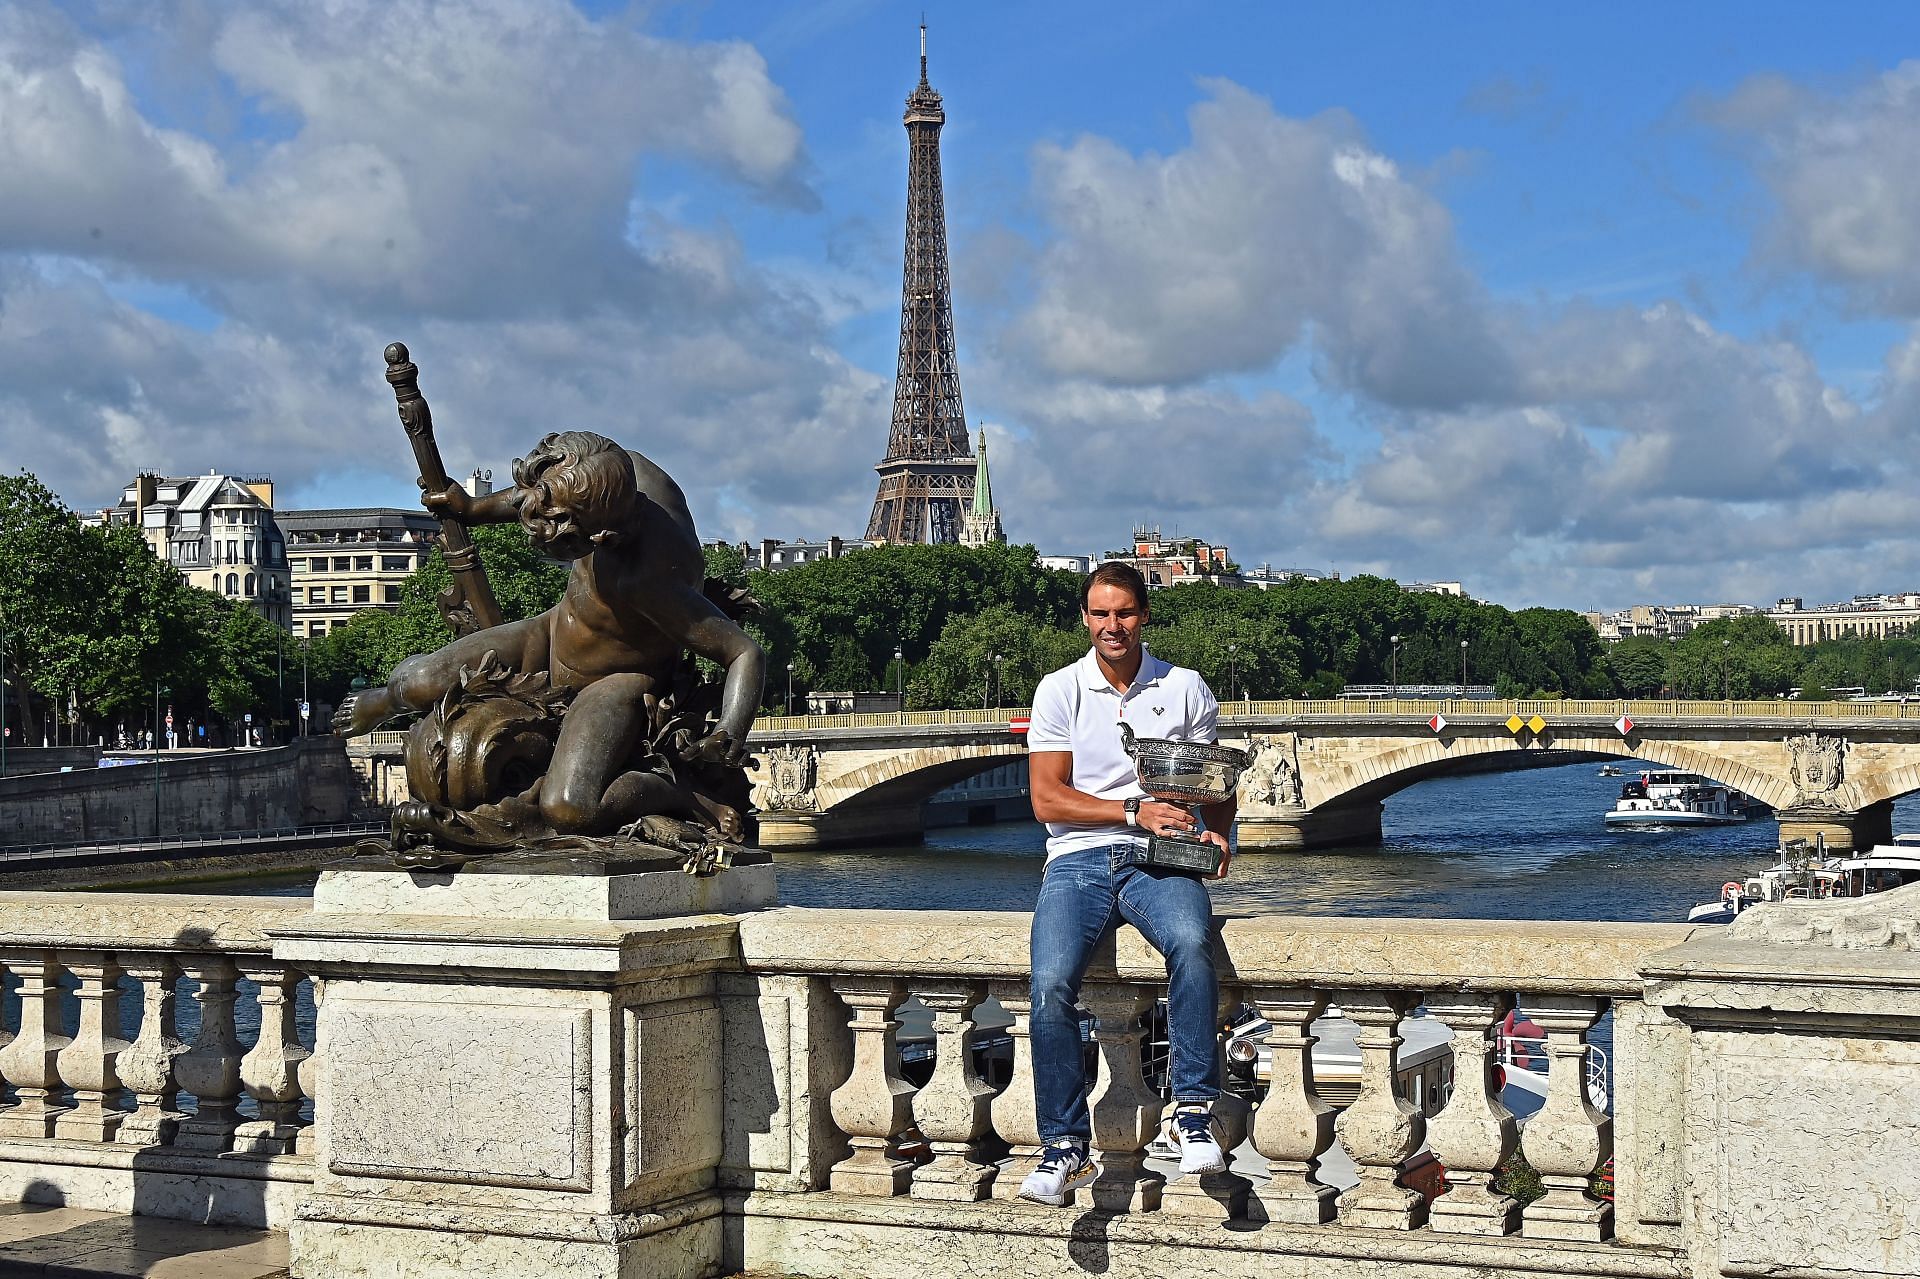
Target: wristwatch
{"x":1133,"y":810}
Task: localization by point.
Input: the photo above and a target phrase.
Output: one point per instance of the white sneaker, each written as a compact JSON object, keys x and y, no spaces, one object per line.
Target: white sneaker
{"x":1193,"y":1132}
{"x":1063,"y":1169}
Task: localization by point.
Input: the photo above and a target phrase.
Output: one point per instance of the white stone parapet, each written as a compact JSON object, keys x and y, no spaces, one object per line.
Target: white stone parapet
{"x":97,"y":1075}
{"x":694,"y":1095}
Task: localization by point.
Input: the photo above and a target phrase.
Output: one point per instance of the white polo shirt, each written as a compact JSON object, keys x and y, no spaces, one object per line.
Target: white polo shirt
{"x":1076,"y":710}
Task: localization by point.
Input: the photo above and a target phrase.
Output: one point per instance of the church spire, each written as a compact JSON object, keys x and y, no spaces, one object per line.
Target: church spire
{"x":981,"y":525}
{"x":982,"y":492}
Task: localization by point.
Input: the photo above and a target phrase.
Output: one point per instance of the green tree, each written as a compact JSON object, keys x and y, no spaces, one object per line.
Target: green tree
{"x":1638,"y":666}
{"x":960,"y":669}
{"x":726,"y":563}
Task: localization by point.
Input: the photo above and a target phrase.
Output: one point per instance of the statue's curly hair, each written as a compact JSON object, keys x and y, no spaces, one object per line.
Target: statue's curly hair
{"x":587,"y":476}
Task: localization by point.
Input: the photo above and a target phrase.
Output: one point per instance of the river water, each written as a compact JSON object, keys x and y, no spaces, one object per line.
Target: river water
{"x":1523,"y":845}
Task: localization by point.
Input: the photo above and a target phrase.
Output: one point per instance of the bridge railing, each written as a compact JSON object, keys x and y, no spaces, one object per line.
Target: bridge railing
{"x":1388,"y":708}
{"x":936,"y":1138}
{"x":153,"y":1041}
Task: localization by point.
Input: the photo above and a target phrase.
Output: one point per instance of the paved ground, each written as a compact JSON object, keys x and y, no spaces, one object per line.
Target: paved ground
{"x":67,"y":1243}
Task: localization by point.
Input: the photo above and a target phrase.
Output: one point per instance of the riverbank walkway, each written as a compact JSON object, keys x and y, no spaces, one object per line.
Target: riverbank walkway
{"x":69,"y":1243}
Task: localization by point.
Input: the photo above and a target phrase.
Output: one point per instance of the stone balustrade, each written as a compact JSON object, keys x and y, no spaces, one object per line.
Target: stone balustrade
{"x":519,"y":1083}
{"x":873,"y":1138}
{"x":126,"y":1096}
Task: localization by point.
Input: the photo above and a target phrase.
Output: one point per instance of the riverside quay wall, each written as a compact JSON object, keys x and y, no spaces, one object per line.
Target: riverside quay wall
{"x":512,"y":1072}
{"x":307,"y":783}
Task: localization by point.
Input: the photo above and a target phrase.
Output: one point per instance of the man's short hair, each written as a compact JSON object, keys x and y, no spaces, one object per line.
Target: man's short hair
{"x":588,"y":475}
{"x":1115,"y":573}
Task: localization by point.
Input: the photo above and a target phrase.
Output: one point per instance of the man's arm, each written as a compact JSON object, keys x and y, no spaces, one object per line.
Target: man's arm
{"x":1206,"y":728}
{"x":1050,"y":780}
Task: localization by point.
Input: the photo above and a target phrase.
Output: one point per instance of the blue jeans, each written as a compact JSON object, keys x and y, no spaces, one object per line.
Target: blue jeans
{"x":1084,"y":896}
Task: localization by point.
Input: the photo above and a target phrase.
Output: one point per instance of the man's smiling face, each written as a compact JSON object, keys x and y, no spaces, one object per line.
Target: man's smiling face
{"x":1114,"y":618}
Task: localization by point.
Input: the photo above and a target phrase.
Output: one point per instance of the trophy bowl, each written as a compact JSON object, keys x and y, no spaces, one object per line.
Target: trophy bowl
{"x":1192,"y":775}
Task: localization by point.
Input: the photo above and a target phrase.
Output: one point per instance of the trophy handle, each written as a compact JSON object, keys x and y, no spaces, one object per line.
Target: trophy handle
{"x":1126,"y":738}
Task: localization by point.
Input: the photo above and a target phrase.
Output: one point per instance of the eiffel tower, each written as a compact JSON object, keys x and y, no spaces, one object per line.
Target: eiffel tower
{"x":926,"y":478}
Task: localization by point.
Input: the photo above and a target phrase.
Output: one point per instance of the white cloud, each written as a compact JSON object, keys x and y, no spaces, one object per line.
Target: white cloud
{"x":1218,"y":257}
{"x":1843,"y":171}
{"x":1539,"y":449}
{"x":462,"y":175}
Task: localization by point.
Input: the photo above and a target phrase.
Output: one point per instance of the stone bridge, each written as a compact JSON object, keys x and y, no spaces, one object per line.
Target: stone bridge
{"x":1322,"y":768}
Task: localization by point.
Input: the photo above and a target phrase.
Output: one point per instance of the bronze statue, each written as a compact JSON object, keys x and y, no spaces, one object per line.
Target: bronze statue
{"x":588,"y":727}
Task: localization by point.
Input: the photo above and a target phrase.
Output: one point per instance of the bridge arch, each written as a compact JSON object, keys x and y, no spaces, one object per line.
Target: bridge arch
{"x":912,"y":777}
{"x":1394,"y":770}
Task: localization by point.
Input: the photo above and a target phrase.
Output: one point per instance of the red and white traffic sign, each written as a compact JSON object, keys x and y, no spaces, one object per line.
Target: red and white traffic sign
{"x":1624,"y":724}
{"x":1438,"y":722}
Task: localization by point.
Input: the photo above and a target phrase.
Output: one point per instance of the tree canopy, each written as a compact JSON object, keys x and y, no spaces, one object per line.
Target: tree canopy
{"x":92,"y":619}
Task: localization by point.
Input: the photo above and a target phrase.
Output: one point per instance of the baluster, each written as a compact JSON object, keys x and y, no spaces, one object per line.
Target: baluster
{"x":210,"y":1068}
{"x":146,"y":1067}
{"x":308,"y":1073}
{"x":1381,"y":1128}
{"x":269,"y":1070}
{"x":1474,"y":1134}
{"x":951,"y":1111}
{"x":872,"y":1107}
{"x":1217,"y":1195}
{"x":1014,"y":1111}
{"x":1292,"y":1127}
{"x":1125,"y":1111}
{"x":1568,"y":1139}
{"x":28,"y":1063}
{"x":86,"y":1064}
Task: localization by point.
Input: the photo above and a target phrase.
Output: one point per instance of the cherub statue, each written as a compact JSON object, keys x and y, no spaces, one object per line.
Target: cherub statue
{"x":589,"y":721}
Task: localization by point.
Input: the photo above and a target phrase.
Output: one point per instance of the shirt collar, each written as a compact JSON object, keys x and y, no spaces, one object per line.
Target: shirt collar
{"x":1152,"y":671}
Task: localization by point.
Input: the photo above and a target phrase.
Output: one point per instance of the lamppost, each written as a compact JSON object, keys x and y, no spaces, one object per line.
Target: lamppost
{"x":1463,"y":670}
{"x":1726,"y":686}
{"x":305,"y":703}
{"x":999,"y":680}
{"x":1393,"y":664}
{"x":1233,"y":670}
{"x":899,"y":680}
{"x":789,"y":688}
{"x":986,"y":689}
{"x":3,"y":694}
{"x":157,"y":756}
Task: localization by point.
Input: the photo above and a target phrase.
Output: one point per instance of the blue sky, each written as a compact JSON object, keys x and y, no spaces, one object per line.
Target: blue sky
{"x":1583,"y":307}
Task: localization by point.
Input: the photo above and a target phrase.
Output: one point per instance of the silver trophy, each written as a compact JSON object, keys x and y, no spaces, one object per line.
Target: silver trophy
{"x":1191,"y":775}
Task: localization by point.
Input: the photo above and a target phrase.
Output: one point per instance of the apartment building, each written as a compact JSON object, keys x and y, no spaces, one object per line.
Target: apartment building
{"x":218,"y":530}
{"x":347,"y":559}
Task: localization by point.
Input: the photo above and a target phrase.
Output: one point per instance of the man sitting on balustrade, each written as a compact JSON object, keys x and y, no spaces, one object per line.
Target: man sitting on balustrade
{"x":1097,"y":818}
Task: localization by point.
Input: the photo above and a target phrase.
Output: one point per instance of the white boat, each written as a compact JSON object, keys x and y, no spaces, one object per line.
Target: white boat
{"x":1608,"y":770}
{"x":1668,"y":797}
{"x":1806,"y":873}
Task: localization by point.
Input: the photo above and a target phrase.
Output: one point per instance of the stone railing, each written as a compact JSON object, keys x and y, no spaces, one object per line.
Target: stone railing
{"x":888,"y":1155}
{"x":1470,"y":710}
{"x":521,"y":1077}
{"x":153,"y":1055}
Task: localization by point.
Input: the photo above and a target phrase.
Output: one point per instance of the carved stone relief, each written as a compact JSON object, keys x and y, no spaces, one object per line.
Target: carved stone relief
{"x":791,"y":774}
{"x":1818,"y":766}
{"x":1273,"y":779}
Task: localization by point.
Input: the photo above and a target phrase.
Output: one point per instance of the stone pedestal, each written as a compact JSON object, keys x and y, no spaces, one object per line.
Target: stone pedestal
{"x":1798,"y":1073}
{"x":844,"y":827}
{"x":1294,"y":828}
{"x":517,"y":1080}
{"x":1844,"y":832}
